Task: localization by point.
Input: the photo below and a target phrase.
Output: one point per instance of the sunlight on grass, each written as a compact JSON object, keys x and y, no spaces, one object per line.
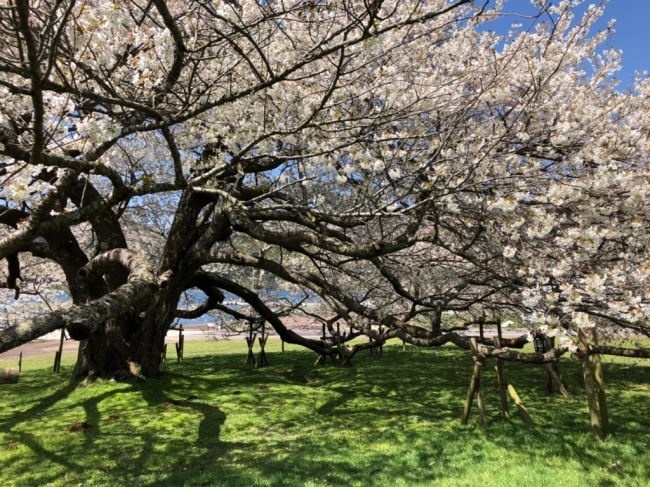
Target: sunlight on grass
{"x":387,"y":421}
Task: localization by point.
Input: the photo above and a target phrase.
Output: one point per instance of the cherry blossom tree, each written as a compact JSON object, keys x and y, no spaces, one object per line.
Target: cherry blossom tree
{"x":396,"y":159}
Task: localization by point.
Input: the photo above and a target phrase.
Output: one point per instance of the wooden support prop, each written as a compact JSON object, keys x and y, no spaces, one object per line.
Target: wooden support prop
{"x":558,"y":371}
{"x":181,"y":343}
{"x":519,"y":404}
{"x":80,"y":349}
{"x":371,"y":349}
{"x":555,"y":380}
{"x":282,"y":346}
{"x":549,"y":343}
{"x":503,"y":383}
{"x":178,"y":353}
{"x":9,"y":376}
{"x":475,"y":388}
{"x":20,"y":362}
{"x":163,"y":355}
{"x":57,"y":356}
{"x":481,"y":404}
{"x":600,"y":384}
{"x":481,"y":322}
{"x":250,"y":356}
{"x":57,"y":359}
{"x":262,"y":361}
{"x":589,"y":385}
{"x":381,"y":343}
{"x":479,"y":387}
{"x":346,"y":361}
{"x":470,"y":394}
{"x":403,"y":345}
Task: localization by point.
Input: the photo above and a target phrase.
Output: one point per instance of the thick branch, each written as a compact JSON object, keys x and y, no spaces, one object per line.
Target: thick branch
{"x":80,"y":321}
{"x":266,"y":313}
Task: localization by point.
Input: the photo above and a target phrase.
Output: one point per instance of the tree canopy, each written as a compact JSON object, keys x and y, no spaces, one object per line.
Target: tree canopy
{"x":398,"y":160}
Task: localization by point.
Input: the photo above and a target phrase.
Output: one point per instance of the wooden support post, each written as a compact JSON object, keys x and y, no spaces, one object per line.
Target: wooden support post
{"x":181,"y":343}
{"x":282,"y":346}
{"x":250,"y":357}
{"x":470,"y":394}
{"x":250,"y":341}
{"x":20,"y":362}
{"x":589,"y":384}
{"x":549,"y":342}
{"x":80,"y":349}
{"x":479,"y":388}
{"x":481,"y":405}
{"x":163,"y":358}
{"x":371,"y":349}
{"x":519,"y":404}
{"x":481,"y":322}
{"x":57,"y":358}
{"x":555,"y":380}
{"x":345,"y":359}
{"x":499,"y":333}
{"x":475,"y":388}
{"x":9,"y":376}
{"x":249,"y":352}
{"x":182,"y":347}
{"x":558,"y":371}
{"x":403,"y":345}
{"x":59,"y":353}
{"x":600,"y":384}
{"x":503,"y":383}
{"x":262,"y":361}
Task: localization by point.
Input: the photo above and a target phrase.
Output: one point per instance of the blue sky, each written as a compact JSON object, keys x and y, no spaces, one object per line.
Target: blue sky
{"x":632,"y":34}
{"x":632,"y":30}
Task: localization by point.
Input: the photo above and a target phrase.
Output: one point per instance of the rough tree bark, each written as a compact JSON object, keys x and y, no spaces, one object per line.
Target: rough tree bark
{"x":105,"y":352}
{"x":81,"y":321}
{"x":179,"y":258}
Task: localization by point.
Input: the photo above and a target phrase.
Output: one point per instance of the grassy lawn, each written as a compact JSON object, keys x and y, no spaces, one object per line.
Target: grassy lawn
{"x":391,"y":421}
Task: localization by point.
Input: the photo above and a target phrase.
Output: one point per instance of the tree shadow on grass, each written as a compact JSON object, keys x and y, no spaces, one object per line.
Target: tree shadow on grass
{"x":102,"y":433}
{"x":39,"y":408}
{"x":396,"y":418}
{"x":563,"y":428}
{"x":431,"y":390}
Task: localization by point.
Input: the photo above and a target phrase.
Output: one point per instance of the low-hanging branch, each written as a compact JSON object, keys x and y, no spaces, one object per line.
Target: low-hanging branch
{"x":80,"y":321}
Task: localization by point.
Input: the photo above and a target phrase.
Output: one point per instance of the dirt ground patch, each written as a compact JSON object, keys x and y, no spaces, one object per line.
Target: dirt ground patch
{"x":44,"y":348}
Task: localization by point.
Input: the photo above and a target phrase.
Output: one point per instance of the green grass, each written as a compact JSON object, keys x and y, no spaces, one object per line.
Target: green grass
{"x":393,"y":421}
